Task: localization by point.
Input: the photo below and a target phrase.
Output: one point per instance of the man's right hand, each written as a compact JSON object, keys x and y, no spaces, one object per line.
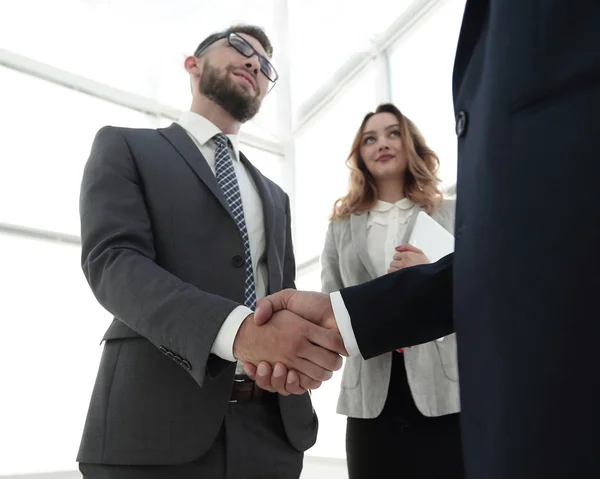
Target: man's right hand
{"x":298,"y":344}
{"x":278,"y":379}
{"x":312,"y":306}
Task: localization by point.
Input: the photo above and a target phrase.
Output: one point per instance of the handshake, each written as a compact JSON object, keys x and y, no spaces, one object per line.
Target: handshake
{"x":291,"y":343}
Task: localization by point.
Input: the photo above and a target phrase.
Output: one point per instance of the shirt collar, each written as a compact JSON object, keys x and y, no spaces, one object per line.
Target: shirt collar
{"x":202,"y":130}
{"x":403,"y":204}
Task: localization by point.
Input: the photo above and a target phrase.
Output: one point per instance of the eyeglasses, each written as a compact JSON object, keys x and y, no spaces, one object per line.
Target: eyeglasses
{"x":243,"y":47}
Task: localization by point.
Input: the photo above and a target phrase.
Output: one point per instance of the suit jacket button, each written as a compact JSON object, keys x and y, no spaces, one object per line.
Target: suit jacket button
{"x":461,"y":123}
{"x":186,"y":364}
{"x":163,"y":350}
{"x":237,"y":261}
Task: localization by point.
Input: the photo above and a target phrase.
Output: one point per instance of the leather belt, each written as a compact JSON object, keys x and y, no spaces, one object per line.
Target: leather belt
{"x":244,"y":390}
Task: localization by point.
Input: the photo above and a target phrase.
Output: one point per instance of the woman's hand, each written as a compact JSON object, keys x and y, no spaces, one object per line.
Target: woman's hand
{"x":405,"y":256}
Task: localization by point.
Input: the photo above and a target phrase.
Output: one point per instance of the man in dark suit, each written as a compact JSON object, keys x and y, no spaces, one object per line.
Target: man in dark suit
{"x":521,"y":288}
{"x":180,"y":235}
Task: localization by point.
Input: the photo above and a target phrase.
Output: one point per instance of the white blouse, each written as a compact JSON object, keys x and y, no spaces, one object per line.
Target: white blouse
{"x":386,"y":225}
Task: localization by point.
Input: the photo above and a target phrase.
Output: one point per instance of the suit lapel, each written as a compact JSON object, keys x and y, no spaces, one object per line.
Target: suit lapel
{"x":473,"y":25}
{"x":358,"y":230}
{"x":188,"y":150}
{"x":270,"y":213}
{"x":268,"y":204}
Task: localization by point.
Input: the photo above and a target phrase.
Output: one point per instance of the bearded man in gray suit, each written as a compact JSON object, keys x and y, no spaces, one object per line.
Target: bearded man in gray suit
{"x":180,"y":236}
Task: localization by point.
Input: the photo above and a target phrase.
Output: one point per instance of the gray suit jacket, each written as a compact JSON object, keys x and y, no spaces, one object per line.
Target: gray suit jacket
{"x":162,"y":253}
{"x":431,"y":367}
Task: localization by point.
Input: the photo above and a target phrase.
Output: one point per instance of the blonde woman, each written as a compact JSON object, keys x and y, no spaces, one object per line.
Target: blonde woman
{"x":402,"y":407}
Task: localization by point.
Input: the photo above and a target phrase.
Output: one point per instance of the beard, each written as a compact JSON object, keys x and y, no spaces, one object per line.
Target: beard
{"x":234,"y":99}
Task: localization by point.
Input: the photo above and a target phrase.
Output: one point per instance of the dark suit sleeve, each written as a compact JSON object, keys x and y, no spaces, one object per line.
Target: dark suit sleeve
{"x":289,"y":262}
{"x":405,"y":308}
{"x":118,"y":260}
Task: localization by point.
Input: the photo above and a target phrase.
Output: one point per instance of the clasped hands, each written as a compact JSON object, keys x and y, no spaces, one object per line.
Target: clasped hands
{"x":291,"y":343}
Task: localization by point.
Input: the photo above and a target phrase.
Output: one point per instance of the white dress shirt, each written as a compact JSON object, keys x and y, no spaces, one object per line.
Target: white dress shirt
{"x":201,"y":132}
{"x":386,"y":225}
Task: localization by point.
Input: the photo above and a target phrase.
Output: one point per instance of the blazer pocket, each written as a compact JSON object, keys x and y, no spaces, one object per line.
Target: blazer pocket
{"x":351,"y":374}
{"x":119,"y":330}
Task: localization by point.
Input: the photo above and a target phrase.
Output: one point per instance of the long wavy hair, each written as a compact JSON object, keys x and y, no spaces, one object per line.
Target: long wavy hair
{"x":421,"y":183}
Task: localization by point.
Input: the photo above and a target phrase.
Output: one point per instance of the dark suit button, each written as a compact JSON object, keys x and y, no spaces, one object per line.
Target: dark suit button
{"x":170,"y":354}
{"x":186,"y":364}
{"x":237,"y":261}
{"x":163,"y":350}
{"x":177,"y":359}
{"x":461,"y":123}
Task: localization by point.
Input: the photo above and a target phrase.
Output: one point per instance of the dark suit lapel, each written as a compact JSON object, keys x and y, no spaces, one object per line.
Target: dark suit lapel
{"x":270,"y":211}
{"x":474,"y":23}
{"x":358,"y":230}
{"x":188,"y":150}
{"x":268,"y":203}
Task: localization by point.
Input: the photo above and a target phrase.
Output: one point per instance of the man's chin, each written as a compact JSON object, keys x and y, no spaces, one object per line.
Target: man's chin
{"x":245,"y":89}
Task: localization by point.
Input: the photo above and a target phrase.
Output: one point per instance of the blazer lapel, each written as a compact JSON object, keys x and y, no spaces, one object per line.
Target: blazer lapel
{"x":358,"y":230}
{"x":268,"y":204}
{"x":188,"y":150}
{"x":473,"y":26}
{"x":269,"y":215}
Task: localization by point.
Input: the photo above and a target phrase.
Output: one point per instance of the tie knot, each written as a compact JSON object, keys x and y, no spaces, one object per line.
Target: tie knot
{"x":220,"y":140}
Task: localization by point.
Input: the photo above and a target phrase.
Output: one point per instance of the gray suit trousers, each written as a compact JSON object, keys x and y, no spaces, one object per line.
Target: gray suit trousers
{"x":250,"y":444}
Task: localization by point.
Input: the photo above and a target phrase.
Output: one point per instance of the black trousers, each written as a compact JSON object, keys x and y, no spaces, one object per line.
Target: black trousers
{"x":252,"y":444}
{"x":401,"y":442}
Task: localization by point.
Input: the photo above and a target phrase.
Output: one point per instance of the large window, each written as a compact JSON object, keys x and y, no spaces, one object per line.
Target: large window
{"x":421,"y":68}
{"x":321,"y":173}
{"x":51,"y":329}
{"x":42,"y":159}
{"x":324,"y":34}
{"x":135,"y":45}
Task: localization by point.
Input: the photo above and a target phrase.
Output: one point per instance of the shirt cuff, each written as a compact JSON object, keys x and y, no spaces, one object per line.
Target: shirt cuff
{"x":223,"y":345}
{"x":342,"y":318}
